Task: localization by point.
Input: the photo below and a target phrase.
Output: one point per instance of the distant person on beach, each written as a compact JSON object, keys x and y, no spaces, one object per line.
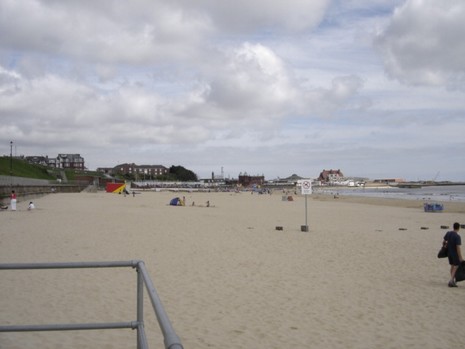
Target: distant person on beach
{"x":13,"y":200}
{"x":31,"y":206}
{"x":454,"y":252}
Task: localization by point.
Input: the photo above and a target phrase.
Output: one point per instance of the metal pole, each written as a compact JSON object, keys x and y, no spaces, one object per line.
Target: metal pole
{"x":141,"y":338}
{"x":140,"y":311}
{"x":306,"y":225}
{"x":171,"y":340}
{"x":68,"y":265}
{"x":11,"y":158}
{"x":69,"y":327}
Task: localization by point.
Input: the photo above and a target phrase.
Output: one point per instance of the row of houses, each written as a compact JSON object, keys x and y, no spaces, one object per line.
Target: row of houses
{"x":244,"y":179}
{"x":64,"y":161}
{"x":76,"y":161}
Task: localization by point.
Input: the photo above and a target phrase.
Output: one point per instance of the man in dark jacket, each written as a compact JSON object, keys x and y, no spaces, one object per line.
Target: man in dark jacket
{"x":454,"y":252}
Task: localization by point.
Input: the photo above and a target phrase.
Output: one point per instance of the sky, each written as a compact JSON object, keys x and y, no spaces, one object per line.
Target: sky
{"x":375,"y":88}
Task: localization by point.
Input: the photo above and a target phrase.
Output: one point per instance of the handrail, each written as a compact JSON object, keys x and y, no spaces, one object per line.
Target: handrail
{"x":171,"y":340}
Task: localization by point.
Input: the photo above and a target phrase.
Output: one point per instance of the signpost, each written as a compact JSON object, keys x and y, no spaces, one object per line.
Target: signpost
{"x":306,"y":189}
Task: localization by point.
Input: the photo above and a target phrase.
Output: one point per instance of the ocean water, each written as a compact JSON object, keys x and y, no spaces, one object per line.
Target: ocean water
{"x":427,"y":194}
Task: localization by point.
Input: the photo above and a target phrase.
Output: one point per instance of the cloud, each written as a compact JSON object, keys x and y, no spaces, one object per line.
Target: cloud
{"x":259,"y":86}
{"x":137,"y":32}
{"x":422,"y":43}
{"x":253,"y":83}
{"x":142,"y":31}
{"x":249,"y":16}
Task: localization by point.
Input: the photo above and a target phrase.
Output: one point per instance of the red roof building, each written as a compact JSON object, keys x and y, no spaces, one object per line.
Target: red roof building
{"x":330,"y":176}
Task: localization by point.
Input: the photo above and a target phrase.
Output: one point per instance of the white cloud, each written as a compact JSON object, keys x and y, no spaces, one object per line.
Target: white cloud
{"x":253,"y":83}
{"x":259,"y":86}
{"x":423,"y":43}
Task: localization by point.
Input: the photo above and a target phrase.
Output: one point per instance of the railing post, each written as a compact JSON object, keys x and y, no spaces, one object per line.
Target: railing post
{"x":171,"y":339}
{"x":141,"y":340}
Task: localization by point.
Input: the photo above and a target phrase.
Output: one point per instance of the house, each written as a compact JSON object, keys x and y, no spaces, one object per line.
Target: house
{"x":37,"y":160}
{"x":328,"y":176}
{"x":70,"y":161}
{"x":65,"y":161}
{"x":105,"y":170}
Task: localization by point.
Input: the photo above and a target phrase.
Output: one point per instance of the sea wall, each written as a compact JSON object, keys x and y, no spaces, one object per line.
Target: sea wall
{"x":27,"y":188}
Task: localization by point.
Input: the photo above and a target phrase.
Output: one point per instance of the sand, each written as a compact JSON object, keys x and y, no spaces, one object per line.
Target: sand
{"x":364,"y":276}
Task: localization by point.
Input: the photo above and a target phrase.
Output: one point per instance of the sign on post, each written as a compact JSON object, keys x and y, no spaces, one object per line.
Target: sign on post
{"x":306,"y":187}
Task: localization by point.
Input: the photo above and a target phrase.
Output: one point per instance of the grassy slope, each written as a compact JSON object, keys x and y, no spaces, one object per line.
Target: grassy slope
{"x":23,"y":169}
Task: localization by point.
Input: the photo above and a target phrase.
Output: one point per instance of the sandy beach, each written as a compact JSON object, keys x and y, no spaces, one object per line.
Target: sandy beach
{"x":366,"y":274}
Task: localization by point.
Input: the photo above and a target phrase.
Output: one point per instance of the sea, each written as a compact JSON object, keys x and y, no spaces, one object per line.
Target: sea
{"x":430,"y":194}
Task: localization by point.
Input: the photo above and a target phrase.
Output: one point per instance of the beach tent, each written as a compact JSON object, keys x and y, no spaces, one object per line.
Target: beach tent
{"x":176,"y":202}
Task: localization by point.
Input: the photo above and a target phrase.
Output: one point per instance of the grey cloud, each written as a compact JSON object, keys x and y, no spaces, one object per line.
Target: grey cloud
{"x":271,"y":15}
{"x":142,"y":32}
{"x":104,"y":31}
{"x":327,"y":102}
{"x":423,"y":43}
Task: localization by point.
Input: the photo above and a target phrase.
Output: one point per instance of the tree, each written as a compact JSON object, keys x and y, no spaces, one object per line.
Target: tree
{"x":182,"y":174}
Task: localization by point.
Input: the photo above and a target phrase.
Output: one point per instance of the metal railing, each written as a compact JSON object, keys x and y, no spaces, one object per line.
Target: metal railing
{"x":171,"y":340}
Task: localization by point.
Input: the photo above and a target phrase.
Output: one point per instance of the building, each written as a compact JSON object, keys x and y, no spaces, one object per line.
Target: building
{"x":37,"y":160}
{"x":52,"y":162}
{"x":105,"y":170}
{"x":70,"y":161}
{"x":140,"y":171}
{"x":328,"y":176}
{"x":388,"y":180}
{"x":64,"y":161}
{"x":248,"y":181}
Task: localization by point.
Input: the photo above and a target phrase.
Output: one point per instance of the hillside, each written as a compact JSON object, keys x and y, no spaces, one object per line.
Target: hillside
{"x":21,"y":168}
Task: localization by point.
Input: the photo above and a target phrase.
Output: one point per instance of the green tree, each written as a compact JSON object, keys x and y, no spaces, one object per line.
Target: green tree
{"x":182,"y":174}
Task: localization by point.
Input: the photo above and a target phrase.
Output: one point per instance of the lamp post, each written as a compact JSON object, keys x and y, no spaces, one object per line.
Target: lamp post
{"x":11,"y":158}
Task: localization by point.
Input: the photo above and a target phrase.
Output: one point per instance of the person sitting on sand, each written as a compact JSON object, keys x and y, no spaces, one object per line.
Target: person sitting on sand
{"x":31,"y":206}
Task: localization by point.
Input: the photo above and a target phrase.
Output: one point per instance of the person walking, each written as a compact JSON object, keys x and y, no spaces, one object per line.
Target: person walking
{"x":454,"y":252}
{"x":13,"y":200}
